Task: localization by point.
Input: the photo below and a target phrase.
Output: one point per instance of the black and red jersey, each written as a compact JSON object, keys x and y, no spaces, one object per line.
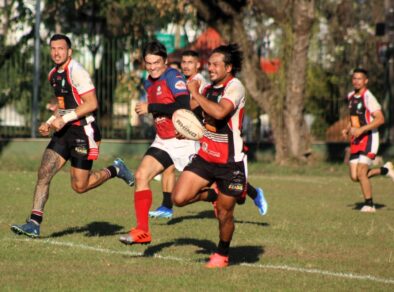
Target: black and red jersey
{"x":361,"y":108}
{"x":222,"y":142}
{"x":69,"y":85}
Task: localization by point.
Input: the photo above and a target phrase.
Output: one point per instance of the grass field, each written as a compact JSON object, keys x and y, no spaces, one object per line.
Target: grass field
{"x":313,"y":238}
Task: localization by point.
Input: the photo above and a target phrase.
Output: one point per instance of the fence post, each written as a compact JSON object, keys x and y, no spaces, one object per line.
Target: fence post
{"x":36,"y":79}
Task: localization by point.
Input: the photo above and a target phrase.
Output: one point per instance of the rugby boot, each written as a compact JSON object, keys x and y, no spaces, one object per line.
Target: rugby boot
{"x":124,"y":173}
{"x":261,"y":202}
{"x":368,"y":209}
{"x":29,"y":229}
{"x":136,"y":236}
{"x":390,"y":169}
{"x":161,"y":212}
{"x":217,"y":261}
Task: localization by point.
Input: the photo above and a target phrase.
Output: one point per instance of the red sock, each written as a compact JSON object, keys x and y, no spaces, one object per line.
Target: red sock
{"x":142,"y":204}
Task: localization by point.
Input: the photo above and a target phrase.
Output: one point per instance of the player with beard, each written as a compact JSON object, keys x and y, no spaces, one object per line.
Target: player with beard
{"x":365,"y":118}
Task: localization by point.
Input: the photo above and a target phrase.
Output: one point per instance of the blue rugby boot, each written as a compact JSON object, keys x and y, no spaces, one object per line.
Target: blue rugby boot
{"x":261,"y":202}
{"x":29,"y":229}
{"x":162,"y":212}
{"x":124,"y":173}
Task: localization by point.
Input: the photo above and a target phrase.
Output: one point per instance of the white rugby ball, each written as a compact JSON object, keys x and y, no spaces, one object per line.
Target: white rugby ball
{"x":187,"y":124}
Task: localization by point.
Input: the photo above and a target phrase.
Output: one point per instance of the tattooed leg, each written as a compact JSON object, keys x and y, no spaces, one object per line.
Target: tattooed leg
{"x":51,"y":163}
{"x":84,"y":180}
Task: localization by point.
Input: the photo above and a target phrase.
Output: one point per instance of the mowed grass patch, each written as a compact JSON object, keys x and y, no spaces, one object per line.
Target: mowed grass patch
{"x":313,"y":237}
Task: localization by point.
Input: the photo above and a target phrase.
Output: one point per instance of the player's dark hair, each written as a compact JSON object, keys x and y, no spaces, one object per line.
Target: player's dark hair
{"x":232,"y":56}
{"x":190,"y":53}
{"x":59,"y":36}
{"x":361,"y":70}
{"x":154,"y":48}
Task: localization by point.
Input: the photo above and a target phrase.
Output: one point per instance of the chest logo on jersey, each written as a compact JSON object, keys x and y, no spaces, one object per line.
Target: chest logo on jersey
{"x":60,"y":102}
{"x":180,"y":85}
{"x":159,"y":91}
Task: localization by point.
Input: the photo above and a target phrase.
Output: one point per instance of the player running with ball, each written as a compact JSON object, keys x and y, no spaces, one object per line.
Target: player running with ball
{"x":221,"y":158}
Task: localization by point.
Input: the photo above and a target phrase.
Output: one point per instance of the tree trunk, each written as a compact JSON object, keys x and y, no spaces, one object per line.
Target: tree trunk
{"x":299,"y":34}
{"x":285,"y":109}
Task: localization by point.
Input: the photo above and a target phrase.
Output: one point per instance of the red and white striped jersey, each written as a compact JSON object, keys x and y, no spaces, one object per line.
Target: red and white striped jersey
{"x":222,"y":142}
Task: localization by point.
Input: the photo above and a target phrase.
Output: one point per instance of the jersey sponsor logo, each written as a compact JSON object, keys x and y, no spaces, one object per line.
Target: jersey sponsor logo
{"x":160,"y":120}
{"x":81,"y":150}
{"x":180,"y":85}
{"x":159,"y":92}
{"x":60,"y":102}
{"x":235,"y":186}
{"x":63,"y":82}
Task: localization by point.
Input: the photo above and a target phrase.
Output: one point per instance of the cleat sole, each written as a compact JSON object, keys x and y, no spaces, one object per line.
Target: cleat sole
{"x":125,"y":242}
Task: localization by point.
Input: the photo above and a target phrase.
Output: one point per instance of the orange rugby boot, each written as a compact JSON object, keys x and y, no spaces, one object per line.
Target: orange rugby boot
{"x":217,"y":261}
{"x":136,"y":236}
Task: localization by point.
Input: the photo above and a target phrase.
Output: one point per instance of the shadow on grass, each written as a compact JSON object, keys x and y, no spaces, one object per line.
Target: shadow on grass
{"x":238,"y":254}
{"x":359,"y":205}
{"x":91,"y":229}
{"x":209,"y":214}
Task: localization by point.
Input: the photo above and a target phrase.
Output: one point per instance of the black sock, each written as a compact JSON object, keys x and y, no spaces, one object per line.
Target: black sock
{"x":223,"y":247}
{"x":383,"y":170}
{"x":369,"y":202}
{"x":112,"y":171}
{"x":36,"y":216}
{"x":212,"y":195}
{"x":251,"y":191}
{"x":167,"y":202}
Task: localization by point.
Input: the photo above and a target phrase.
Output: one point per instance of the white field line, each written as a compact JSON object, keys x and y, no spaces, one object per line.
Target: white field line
{"x":257,"y":266}
{"x":321,"y":272}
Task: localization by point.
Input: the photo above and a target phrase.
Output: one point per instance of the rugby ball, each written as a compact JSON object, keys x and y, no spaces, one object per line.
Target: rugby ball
{"x":187,"y":124}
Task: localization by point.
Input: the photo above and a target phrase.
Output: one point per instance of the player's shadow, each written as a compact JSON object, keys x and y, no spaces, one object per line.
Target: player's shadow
{"x":91,"y":229}
{"x":357,"y":206}
{"x":208,"y":214}
{"x":239,"y":254}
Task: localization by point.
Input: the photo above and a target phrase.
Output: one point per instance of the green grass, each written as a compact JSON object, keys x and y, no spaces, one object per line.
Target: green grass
{"x":313,"y":237}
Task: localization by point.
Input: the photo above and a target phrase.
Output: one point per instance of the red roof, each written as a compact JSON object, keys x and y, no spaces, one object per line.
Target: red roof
{"x":269,"y":66}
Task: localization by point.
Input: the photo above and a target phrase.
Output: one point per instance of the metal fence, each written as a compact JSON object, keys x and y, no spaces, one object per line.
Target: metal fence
{"x":117,"y":75}
{"x":115,"y":67}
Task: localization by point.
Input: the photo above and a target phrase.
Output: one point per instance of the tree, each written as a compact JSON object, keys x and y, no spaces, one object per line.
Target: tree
{"x":112,"y":27}
{"x":344,"y":38}
{"x":282,"y":98}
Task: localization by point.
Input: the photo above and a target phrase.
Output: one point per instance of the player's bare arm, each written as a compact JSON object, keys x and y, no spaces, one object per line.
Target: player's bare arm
{"x":88,"y":106}
{"x":376,"y":123}
{"x":141,"y":108}
{"x":44,"y":129}
{"x":345,"y":132}
{"x":216,"y":110}
{"x":193,"y":86}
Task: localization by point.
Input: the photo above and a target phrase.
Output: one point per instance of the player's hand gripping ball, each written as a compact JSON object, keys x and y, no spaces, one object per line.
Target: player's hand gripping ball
{"x":187,"y":124}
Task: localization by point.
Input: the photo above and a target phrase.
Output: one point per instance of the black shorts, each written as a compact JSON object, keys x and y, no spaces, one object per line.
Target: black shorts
{"x":161,"y":156}
{"x":72,"y":144}
{"x":230,"y":178}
